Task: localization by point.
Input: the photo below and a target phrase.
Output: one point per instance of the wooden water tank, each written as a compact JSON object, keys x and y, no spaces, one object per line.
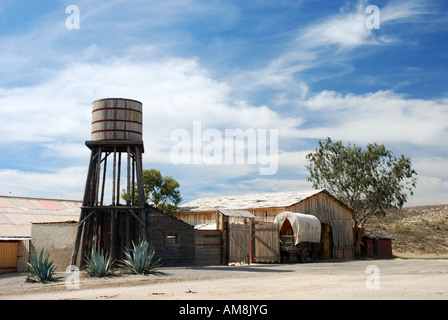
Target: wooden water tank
{"x":116,"y":119}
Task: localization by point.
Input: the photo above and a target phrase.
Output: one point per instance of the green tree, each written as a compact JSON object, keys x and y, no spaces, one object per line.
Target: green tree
{"x":162,"y":192}
{"x":368,"y":181}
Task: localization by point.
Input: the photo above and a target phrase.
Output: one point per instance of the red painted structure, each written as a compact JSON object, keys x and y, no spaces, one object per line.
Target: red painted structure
{"x":376,"y":243}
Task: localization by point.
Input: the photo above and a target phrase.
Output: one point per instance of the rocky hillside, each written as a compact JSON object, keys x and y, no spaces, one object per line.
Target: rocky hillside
{"x":416,"y":230}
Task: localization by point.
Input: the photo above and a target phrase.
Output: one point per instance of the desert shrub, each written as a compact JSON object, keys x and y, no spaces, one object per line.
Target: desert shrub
{"x":139,"y":259}
{"x":99,"y":264}
{"x":406,"y":230}
{"x":418,"y":235}
{"x":41,"y":268}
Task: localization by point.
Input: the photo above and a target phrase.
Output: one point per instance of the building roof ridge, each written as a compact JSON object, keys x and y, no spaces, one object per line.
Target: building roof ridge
{"x":34,"y":198}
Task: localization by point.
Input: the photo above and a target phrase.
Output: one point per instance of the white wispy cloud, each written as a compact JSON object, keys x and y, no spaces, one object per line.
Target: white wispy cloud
{"x":329,"y":41}
{"x":63,"y":183}
{"x":347,"y":29}
{"x":413,"y":11}
{"x":382,"y":116}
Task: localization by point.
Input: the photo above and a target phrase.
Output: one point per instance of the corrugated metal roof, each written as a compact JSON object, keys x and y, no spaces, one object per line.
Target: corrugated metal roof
{"x":17,"y":214}
{"x":248,"y":201}
{"x":236,"y":213}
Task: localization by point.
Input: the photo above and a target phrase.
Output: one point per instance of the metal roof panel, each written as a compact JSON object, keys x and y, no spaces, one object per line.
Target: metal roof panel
{"x":236,"y":213}
{"x":17,"y":214}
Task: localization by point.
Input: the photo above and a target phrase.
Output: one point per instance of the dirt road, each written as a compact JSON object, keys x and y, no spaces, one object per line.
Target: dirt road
{"x":362,"y":279}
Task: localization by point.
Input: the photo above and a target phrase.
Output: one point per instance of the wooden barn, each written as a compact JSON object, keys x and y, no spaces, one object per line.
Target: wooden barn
{"x":335,"y":218}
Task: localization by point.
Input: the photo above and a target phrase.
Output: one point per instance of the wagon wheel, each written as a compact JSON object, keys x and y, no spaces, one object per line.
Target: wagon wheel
{"x":303,"y":256}
{"x":314,"y":256}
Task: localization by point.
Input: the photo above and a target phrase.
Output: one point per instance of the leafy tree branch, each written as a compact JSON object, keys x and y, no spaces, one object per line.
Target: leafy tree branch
{"x":368,"y":181}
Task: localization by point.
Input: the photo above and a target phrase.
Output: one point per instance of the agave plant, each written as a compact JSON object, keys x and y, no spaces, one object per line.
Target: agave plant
{"x":99,"y":264}
{"x":41,"y":268}
{"x":139,"y":259}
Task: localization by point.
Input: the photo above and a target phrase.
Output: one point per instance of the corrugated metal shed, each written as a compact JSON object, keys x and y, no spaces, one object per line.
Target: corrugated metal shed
{"x":17,"y":214}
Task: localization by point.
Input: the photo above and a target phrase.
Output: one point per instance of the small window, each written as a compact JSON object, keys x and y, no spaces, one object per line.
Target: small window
{"x":171,"y":238}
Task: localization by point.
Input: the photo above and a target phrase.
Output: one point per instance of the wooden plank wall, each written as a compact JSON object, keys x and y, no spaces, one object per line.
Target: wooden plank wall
{"x":266,"y":214}
{"x":207,"y":247}
{"x":329,"y":211}
{"x":197,"y":218}
{"x":325,"y":242}
{"x":159,"y":225}
{"x":343,"y":253}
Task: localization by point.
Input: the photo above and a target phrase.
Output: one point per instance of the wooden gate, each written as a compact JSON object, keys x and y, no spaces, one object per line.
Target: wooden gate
{"x":253,"y":243}
{"x":239,"y":245}
{"x":266,"y":243}
{"x":9,"y":252}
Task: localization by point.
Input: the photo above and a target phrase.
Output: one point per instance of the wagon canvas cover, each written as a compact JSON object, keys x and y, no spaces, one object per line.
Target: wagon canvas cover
{"x":306,"y":227}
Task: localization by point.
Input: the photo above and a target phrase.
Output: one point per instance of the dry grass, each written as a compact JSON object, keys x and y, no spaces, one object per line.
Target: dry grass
{"x":416,"y":230}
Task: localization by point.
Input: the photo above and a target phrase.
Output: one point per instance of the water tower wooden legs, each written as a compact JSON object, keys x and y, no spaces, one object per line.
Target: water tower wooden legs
{"x":111,"y":227}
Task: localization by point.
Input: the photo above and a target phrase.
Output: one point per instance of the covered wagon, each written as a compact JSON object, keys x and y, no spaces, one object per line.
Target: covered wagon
{"x":299,"y":235}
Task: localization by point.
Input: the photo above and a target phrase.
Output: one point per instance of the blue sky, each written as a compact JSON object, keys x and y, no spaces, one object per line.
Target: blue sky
{"x":309,"y":69}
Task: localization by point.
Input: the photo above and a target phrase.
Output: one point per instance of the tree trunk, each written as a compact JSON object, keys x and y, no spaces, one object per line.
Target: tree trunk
{"x":357,"y":236}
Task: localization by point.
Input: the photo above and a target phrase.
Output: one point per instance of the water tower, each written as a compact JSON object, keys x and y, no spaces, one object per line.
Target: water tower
{"x":116,"y":145}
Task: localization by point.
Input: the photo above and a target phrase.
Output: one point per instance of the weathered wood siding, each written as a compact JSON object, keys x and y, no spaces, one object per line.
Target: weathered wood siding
{"x":251,"y":242}
{"x":207,"y":247}
{"x":329,"y":211}
{"x":239,"y":243}
{"x":172,"y":238}
{"x":325,"y":242}
{"x":266,"y":243}
{"x":266,"y":214}
{"x":116,"y":119}
{"x":197,"y":218}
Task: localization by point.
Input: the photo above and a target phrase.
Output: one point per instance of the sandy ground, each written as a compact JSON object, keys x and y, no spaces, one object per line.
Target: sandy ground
{"x":422,"y":278}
